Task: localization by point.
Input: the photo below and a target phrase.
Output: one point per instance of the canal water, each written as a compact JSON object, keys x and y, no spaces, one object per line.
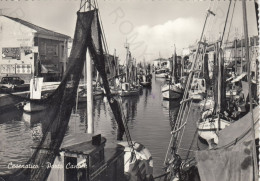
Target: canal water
{"x":149,"y":120}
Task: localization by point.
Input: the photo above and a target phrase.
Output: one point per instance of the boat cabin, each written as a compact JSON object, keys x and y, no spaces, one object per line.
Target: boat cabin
{"x":198,"y":84}
{"x":125,"y":86}
{"x":87,"y":161}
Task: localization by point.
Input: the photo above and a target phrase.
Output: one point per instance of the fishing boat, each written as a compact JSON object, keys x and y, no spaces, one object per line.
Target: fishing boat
{"x":146,"y":80}
{"x":214,"y":119}
{"x":198,"y":89}
{"x":130,"y":86}
{"x":237,"y":142}
{"x":128,"y":90}
{"x":98,"y":92}
{"x":208,"y":128}
{"x":84,"y":156}
{"x":172,"y":89}
{"x":161,"y":73}
{"x":207,"y":104}
{"x":145,"y":77}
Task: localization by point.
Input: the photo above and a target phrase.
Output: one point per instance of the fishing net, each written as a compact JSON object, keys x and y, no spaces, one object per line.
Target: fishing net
{"x":219,"y":59}
{"x":61,"y":101}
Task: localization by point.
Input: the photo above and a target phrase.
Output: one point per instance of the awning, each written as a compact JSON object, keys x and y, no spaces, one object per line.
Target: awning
{"x":238,"y":78}
{"x":49,"y":69}
{"x":230,"y":78}
{"x":231,"y":135}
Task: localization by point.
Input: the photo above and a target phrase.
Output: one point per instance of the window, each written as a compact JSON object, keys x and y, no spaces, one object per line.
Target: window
{"x":42,"y":48}
{"x":52,"y":50}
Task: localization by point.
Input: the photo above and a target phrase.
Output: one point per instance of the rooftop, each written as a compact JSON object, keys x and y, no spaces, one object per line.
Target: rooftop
{"x":39,"y":29}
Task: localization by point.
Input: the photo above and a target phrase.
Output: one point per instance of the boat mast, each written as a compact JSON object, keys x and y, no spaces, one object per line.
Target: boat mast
{"x":249,"y":82}
{"x":174,"y":64}
{"x":220,"y":60}
{"x":115,"y":69}
{"x":89,"y":85}
{"x":127,"y":56}
{"x":235,"y":55}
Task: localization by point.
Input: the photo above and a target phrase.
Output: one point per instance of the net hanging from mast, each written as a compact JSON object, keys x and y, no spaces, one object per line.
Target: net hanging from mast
{"x":61,"y":101}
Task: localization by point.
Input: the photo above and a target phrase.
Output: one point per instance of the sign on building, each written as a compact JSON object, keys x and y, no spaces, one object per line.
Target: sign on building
{"x":7,"y":69}
{"x":23,"y":69}
{"x":11,"y":53}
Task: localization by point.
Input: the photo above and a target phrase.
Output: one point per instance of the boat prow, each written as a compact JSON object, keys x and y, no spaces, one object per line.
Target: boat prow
{"x":173,"y":91}
{"x":142,"y":163}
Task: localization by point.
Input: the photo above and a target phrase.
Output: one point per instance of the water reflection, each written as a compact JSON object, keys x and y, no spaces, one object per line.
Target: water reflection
{"x":171,"y":109}
{"x":149,"y":121}
{"x":15,"y":137}
{"x":130,"y":107}
{"x":147,"y":93}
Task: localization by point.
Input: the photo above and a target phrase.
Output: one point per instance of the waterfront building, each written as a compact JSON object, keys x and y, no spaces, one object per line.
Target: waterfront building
{"x":234,"y":56}
{"x":27,"y":48}
{"x":162,"y":63}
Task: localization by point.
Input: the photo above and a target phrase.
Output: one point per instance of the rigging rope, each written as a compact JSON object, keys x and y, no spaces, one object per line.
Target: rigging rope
{"x":102,"y":29}
{"x":185,"y":96}
{"x":179,"y":140}
{"x":225,"y":24}
{"x":211,"y":19}
{"x":231,"y":22}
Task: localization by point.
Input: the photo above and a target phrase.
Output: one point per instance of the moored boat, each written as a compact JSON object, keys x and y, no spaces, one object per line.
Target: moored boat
{"x":207,"y":129}
{"x":198,"y":89}
{"x":146,"y":80}
{"x":82,"y":94}
{"x":172,"y":91}
{"x":128,"y":90}
{"x":161,"y":73}
{"x":33,"y":107}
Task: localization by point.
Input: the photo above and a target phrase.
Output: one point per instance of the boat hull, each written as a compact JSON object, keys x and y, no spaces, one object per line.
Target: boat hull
{"x":96,"y":94}
{"x":207,"y":104}
{"x":196,"y":96}
{"x":30,"y":107}
{"x":162,"y":75}
{"x":171,"y":92}
{"x":146,"y":84}
{"x":124,"y":93}
{"x":208,"y":128}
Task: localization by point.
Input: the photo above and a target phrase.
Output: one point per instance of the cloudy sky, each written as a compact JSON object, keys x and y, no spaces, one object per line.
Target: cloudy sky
{"x":150,"y":27}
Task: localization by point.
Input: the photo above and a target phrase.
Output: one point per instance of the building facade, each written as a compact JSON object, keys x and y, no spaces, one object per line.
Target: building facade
{"x":162,"y":63}
{"x":28,"y":50}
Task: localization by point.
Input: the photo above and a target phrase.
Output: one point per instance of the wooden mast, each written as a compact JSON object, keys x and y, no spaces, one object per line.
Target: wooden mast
{"x":127,"y":56}
{"x":249,"y":82}
{"x":89,"y":86}
{"x":219,"y":59}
